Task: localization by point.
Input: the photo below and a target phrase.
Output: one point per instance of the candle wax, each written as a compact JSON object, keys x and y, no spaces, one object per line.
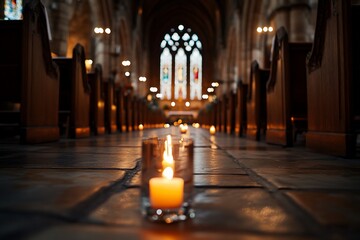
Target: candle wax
{"x":166,"y":193}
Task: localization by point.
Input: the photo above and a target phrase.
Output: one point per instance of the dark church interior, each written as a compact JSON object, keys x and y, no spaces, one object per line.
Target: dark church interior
{"x":180,"y":119}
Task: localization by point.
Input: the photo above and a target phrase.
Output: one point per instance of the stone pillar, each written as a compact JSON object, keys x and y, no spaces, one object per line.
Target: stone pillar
{"x":295,"y":16}
{"x":300,"y":28}
{"x":61,"y":13}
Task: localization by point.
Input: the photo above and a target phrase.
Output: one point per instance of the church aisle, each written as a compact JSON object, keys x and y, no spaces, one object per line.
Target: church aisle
{"x":90,"y":189}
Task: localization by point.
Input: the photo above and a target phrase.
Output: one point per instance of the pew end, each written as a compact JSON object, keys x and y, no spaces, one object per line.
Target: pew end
{"x":74,"y":99}
{"x":286,"y":90}
{"x":256,"y":102}
{"x":30,"y":79}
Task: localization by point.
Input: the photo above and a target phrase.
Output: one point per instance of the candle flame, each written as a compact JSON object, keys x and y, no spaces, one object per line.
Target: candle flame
{"x":168,"y":157}
{"x":168,"y":173}
{"x":168,"y":160}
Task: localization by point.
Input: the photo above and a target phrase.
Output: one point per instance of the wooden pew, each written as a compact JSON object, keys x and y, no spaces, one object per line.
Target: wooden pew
{"x":120,"y":112}
{"x":110,"y":106}
{"x":241,"y":109}
{"x":97,"y":101}
{"x":355,"y":81}
{"x":333,"y":80}
{"x":256,"y":102}
{"x":135,"y":113}
{"x":225,"y":113}
{"x":231,"y":113}
{"x":74,"y":105}
{"x":286,"y":90}
{"x":219,"y":113}
{"x":29,"y":78}
{"x":128,"y":111}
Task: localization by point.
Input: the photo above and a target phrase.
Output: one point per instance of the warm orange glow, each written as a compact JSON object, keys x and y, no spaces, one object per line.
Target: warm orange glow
{"x":88,"y":65}
{"x":212,"y":130}
{"x":141,"y":127}
{"x":183,"y":128}
{"x":196,"y":125}
{"x":166,"y":193}
{"x":100,"y":104}
{"x":166,"y":125}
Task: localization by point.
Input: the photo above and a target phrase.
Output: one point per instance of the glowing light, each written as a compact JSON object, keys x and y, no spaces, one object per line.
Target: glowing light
{"x":98,"y":30}
{"x":187,"y":104}
{"x":126,"y":63}
{"x":205,"y":96}
{"x":259,"y":29}
{"x":210,"y":90}
{"x":153,"y":89}
{"x":181,"y":27}
{"x":107,"y":30}
{"x":142,"y":79}
{"x":88,"y":64}
{"x":159,"y":95}
{"x":141,"y":127}
{"x":172,"y":104}
{"x":212,"y":130}
{"x":168,"y":160}
{"x":214,"y":84}
{"x":166,"y":125}
{"x":127,"y":74}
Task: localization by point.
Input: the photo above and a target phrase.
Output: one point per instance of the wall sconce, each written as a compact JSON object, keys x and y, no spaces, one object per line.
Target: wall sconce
{"x":100,"y":30}
{"x":126,"y":63}
{"x":264,"y":29}
{"x":210,"y":90}
{"x":153,"y":89}
{"x":215,"y":84}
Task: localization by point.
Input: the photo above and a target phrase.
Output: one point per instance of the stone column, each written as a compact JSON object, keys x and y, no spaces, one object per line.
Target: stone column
{"x":61,"y":13}
{"x":300,"y":28}
{"x":295,"y":16}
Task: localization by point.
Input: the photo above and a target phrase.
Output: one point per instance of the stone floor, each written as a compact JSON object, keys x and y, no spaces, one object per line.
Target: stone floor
{"x":89,"y":189}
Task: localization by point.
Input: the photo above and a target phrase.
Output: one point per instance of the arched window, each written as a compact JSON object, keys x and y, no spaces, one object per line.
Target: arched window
{"x":184,"y":46}
{"x":13,"y":9}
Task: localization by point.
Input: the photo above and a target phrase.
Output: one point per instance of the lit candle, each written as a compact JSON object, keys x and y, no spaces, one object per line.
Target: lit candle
{"x":141,"y":127}
{"x":88,"y":65}
{"x":212,"y":130}
{"x":183,"y":128}
{"x":168,"y":160}
{"x":166,"y":191}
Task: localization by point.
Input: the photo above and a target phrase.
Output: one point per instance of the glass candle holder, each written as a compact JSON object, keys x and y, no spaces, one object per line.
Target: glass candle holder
{"x":167,"y":179}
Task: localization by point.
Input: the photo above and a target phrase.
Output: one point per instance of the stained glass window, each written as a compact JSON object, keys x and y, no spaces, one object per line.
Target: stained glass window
{"x":180,"y":74}
{"x":195,"y":75}
{"x":13,"y":9}
{"x":165,"y":74}
{"x":184,"y":46}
